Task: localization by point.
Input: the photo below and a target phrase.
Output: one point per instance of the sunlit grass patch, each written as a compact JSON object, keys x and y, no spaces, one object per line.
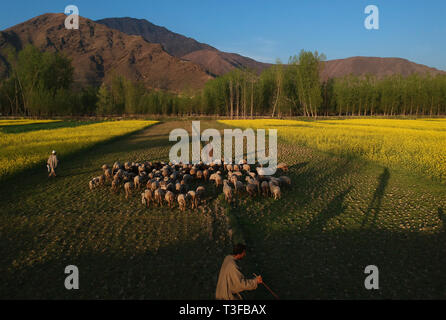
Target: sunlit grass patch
{"x":418,"y":146}
{"x":22,"y":150}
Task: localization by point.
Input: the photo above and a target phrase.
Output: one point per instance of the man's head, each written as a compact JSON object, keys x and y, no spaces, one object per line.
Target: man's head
{"x":239,"y":251}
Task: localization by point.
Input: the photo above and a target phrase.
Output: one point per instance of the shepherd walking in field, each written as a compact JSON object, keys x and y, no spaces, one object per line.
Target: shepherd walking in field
{"x":231,"y":281}
{"x":52,"y":164}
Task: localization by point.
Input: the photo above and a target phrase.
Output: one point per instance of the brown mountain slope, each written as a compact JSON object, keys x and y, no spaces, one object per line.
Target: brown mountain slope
{"x":174,"y":43}
{"x":218,"y":62}
{"x":213,"y":60}
{"x":379,"y":67}
{"x":97,"y":52}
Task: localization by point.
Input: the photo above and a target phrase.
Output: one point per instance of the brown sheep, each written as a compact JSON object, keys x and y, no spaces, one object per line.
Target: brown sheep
{"x":115,"y":184}
{"x":155,"y":185}
{"x":275,"y":191}
{"x":147,"y":197}
{"x":128,"y":186}
{"x":116,"y":167}
{"x":108,"y":174}
{"x":206,"y":174}
{"x":95,"y":182}
{"x":251,"y":189}
{"x":282,"y":166}
{"x":217,"y":178}
{"x":137,"y":181}
{"x":127,"y":166}
{"x":101,"y":179}
{"x":170,"y":198}
{"x":182,"y":201}
{"x":284,"y":180}
{"x":227,"y":190}
{"x":191,"y":195}
{"x":159,"y":196}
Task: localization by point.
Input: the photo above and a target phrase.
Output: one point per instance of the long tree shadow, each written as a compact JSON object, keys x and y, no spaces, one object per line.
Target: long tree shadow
{"x":375,"y":203}
{"x":334,"y":208}
{"x":22,"y":128}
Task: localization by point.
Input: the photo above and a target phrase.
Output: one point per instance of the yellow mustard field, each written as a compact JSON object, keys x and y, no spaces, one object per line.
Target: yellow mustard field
{"x":418,"y":146}
{"x":22,"y":150}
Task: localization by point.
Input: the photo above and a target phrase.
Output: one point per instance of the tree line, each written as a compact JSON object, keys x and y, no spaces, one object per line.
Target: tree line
{"x":41,"y":84}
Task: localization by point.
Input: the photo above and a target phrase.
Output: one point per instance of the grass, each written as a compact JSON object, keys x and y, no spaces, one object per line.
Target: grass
{"x":29,"y":143}
{"x":340,"y":215}
{"x":415,"y":145}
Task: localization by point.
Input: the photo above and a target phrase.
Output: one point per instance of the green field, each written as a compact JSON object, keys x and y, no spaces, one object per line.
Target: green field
{"x":343,"y":212}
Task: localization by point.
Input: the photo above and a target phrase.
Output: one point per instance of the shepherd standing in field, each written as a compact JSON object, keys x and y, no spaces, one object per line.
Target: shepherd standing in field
{"x":230,"y":280}
{"x":52,"y":164}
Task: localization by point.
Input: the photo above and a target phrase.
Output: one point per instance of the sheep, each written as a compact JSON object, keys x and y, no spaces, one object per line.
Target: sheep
{"x":169,"y":198}
{"x":182,"y":201}
{"x":284,"y":180}
{"x":170,"y":187}
{"x":274,"y":181}
{"x":116,"y":167}
{"x":238,"y":187}
{"x":101,"y":179}
{"x":275,"y":191}
{"x":187,"y":178}
{"x":159,"y":196}
{"x":137,"y":181}
{"x":206,"y":174}
{"x":127,"y":166}
{"x":115,"y":184}
{"x":282,"y":166}
{"x":265,"y":188}
{"x":147,"y":197}
{"x":199,"y":193}
{"x":227,"y":190}
{"x":155,"y":185}
{"x":217,"y":178}
{"x":253,"y":181}
{"x":119,"y":173}
{"x":128,"y":186}
{"x":108,"y":174}
{"x":95,"y":182}
{"x":191,"y":195}
{"x":251,"y":189}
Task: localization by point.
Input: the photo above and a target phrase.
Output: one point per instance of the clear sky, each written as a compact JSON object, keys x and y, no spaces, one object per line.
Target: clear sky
{"x":266,"y":30}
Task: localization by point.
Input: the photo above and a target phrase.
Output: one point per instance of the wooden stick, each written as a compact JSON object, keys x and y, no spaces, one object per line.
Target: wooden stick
{"x":269,"y":289}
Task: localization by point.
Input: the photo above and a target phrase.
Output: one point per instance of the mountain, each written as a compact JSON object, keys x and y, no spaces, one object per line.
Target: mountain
{"x":213,"y":60}
{"x":158,"y":57}
{"x":379,"y":67}
{"x":97,"y":52}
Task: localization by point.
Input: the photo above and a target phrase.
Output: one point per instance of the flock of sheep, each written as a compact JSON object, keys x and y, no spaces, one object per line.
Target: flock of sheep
{"x":170,"y":183}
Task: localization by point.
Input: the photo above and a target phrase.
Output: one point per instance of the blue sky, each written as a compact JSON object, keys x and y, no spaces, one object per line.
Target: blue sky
{"x":266,"y":30}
